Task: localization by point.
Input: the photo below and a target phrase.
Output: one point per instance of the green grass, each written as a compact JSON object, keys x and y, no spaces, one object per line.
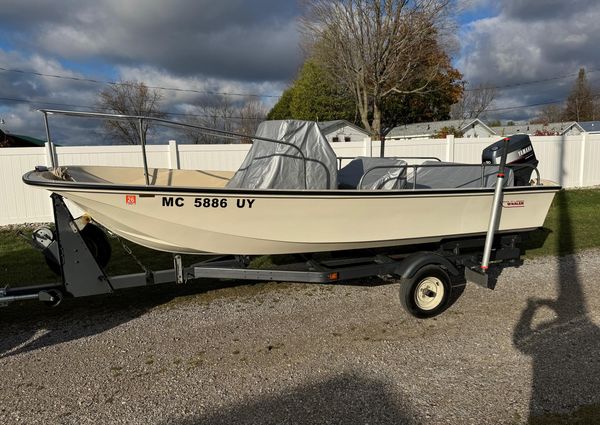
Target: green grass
{"x":20,"y":264}
{"x":586,"y":415}
{"x":571,"y":226}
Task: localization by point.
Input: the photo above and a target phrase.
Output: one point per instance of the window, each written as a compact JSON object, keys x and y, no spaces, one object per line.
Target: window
{"x":347,"y":139}
{"x":335,"y":139}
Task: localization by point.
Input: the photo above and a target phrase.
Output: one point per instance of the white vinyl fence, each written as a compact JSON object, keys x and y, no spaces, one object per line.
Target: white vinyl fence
{"x":572,"y":161}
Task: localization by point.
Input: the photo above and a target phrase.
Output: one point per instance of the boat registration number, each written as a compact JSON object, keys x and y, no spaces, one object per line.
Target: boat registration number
{"x":172,"y":201}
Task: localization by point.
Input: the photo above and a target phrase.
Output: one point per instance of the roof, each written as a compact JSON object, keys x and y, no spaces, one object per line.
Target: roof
{"x":329,"y":126}
{"x":553,"y":127}
{"x":590,"y":126}
{"x":426,"y":129}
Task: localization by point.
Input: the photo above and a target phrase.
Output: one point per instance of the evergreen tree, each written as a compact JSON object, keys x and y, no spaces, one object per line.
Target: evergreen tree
{"x":580,"y":105}
{"x":314,"y":97}
{"x":281,"y":110}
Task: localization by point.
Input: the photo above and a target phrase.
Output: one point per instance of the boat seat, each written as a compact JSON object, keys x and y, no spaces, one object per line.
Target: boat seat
{"x":381,"y":173}
{"x":449,"y":175}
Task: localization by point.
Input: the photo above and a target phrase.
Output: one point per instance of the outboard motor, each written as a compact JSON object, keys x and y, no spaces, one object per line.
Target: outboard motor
{"x":520,"y":151}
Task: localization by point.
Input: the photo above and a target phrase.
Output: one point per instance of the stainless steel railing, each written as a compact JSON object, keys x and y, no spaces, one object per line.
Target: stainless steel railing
{"x":141,"y":119}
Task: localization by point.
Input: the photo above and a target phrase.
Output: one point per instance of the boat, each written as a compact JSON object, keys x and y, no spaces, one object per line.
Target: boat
{"x":291,"y":195}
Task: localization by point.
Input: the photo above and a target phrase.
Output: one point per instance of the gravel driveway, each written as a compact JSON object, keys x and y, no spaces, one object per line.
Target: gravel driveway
{"x":301,"y":353}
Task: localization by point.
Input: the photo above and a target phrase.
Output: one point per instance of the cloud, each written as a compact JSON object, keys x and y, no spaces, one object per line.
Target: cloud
{"x":232,"y":46}
{"x":530,"y":41}
{"x":233,"y":39}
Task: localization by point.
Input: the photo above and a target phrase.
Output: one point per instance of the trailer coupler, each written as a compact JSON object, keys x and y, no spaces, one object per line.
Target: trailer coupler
{"x":49,"y":295}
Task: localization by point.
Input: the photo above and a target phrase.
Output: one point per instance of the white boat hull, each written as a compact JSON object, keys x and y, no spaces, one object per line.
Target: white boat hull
{"x":247,"y":222}
{"x":282,"y":224}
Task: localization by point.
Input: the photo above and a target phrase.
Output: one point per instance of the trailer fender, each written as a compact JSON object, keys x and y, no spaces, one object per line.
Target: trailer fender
{"x":414,"y":262}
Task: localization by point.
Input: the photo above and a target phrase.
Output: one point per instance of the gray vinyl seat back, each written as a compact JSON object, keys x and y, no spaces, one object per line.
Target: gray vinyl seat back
{"x":376,"y":174}
{"x":447,"y":175}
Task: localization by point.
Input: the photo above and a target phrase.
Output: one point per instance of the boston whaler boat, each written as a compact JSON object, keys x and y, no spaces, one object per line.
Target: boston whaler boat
{"x":292,"y":196}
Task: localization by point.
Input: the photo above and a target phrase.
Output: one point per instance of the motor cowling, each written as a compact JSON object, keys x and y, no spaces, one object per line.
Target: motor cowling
{"x":520,"y":151}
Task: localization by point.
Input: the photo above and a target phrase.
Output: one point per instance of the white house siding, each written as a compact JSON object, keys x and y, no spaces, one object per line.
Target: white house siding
{"x":477,"y":130}
{"x":343,"y":132}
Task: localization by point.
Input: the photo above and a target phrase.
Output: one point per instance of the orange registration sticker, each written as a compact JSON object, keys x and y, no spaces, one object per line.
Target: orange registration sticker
{"x":130,"y":199}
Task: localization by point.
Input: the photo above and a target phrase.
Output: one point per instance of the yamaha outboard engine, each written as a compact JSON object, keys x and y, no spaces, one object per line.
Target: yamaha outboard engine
{"x":520,"y":151}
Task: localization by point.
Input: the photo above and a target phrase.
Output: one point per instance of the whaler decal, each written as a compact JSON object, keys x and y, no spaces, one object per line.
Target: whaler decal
{"x":130,"y":199}
{"x":513,"y":204}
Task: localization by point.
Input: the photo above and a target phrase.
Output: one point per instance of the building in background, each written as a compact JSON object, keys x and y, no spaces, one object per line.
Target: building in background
{"x":569,"y":128}
{"x":468,"y":128}
{"x":342,"y":131}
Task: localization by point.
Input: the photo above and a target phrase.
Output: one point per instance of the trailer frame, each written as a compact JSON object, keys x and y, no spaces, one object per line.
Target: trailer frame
{"x":82,"y":275}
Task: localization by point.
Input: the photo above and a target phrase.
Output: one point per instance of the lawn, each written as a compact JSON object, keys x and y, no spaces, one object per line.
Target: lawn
{"x":572,"y":225}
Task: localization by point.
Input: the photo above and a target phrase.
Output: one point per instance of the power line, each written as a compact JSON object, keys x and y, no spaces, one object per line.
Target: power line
{"x":215,"y":93}
{"x":527,"y":83}
{"x":114,"y":83}
{"x":93,"y":108}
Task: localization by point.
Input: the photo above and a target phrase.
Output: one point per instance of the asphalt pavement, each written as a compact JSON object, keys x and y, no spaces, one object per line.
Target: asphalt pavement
{"x":283,"y":353}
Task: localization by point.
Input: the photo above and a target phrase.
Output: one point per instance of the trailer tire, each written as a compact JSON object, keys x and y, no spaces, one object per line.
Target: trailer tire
{"x":97,"y":243}
{"x":427,"y":293}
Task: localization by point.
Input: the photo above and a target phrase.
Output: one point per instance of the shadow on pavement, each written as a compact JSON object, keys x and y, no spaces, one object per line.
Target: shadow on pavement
{"x":347,"y":399}
{"x":29,"y":326}
{"x":565,"y":349}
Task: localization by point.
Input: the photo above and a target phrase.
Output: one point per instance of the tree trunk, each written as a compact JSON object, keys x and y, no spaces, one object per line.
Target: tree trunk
{"x":376,"y":125}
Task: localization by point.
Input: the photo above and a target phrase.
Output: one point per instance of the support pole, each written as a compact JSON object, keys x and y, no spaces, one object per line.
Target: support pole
{"x":143,"y":143}
{"x":50,"y":150}
{"x":496,"y":210}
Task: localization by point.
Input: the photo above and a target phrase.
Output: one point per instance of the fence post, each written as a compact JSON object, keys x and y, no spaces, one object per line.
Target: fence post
{"x":582,"y":159}
{"x":450,"y":148}
{"x":367,"y":147}
{"x":173,"y":155}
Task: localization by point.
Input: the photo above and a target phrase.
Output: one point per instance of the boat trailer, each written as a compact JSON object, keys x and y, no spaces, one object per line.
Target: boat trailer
{"x":427,"y":278}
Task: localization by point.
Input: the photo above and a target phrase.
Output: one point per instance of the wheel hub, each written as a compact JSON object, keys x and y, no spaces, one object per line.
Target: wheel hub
{"x":429,"y":293}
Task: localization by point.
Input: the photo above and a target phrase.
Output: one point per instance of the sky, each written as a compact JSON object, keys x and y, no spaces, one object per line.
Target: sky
{"x":252,"y":47}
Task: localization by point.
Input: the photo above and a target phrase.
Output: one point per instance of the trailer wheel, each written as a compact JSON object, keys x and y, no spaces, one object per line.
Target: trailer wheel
{"x":427,"y":293}
{"x":96,"y":242}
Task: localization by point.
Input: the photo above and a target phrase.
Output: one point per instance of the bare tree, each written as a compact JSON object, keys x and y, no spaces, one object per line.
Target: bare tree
{"x":219,"y":115}
{"x":473,"y":103}
{"x":130,"y":98}
{"x":548,"y":114}
{"x":376,"y":47}
{"x":223,"y":114}
{"x":252,"y":113}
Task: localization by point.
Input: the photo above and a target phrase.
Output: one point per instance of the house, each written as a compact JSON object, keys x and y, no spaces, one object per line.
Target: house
{"x":469,"y":128}
{"x":8,"y":140}
{"x":570,"y":128}
{"x":592,"y":127}
{"x":342,"y":131}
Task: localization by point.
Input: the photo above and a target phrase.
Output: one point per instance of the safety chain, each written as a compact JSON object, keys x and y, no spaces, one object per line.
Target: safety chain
{"x":130,"y":252}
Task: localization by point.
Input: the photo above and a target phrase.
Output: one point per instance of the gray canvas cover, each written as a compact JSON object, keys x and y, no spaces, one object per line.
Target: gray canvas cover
{"x":444,"y":175}
{"x":271,"y":165}
{"x":386,"y":173}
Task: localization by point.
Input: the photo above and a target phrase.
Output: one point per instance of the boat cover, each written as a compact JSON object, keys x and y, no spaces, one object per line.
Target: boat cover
{"x":446,"y":175}
{"x":271,"y":165}
{"x":386,"y":173}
